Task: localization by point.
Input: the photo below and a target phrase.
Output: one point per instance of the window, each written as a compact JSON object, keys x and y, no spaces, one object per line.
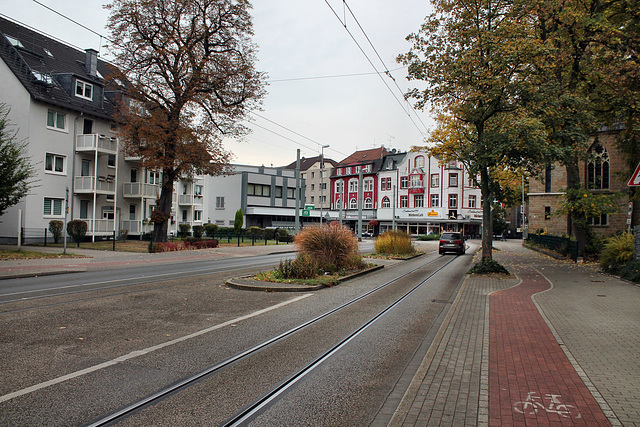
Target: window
{"x":416,"y":182}
{"x":339,"y":187}
{"x":353,"y":186}
{"x":547,"y":212}
{"x":279,"y":192}
{"x":198,"y":190}
{"x":385,"y":184}
{"x":134,"y":175}
{"x":197,"y":215}
{"x":353,"y":204}
{"x":598,"y":168}
{"x":84,"y":209}
{"x":323,"y":186}
{"x":56,"y":120}
{"x":54,"y":163}
{"x":435,"y":180}
{"x":291,"y":193}
{"x":453,"y":201}
{"x":453,"y":180}
{"x":313,"y":199}
{"x":313,"y":174}
{"x":313,"y":187}
{"x":419,"y":162}
{"x":154,"y":177}
{"x":220,"y":202}
{"x":404,"y":182}
{"x":601,"y":220}
{"x":472,"y":202}
{"x":132,"y":212}
{"x":418,"y":201}
{"x":547,"y":179}
{"x":84,"y":90}
{"x":258,"y":190}
{"x":111,"y":161}
{"x":185,"y":215}
{"x":52,"y":207}
{"x":368,"y":204}
{"x":368,"y":184}
{"x":338,"y":203}
{"x":386,"y":203}
{"x":435,"y":200}
{"x":404,"y":201}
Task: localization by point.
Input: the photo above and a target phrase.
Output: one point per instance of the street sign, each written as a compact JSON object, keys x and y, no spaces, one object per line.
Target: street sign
{"x":306,"y":212}
{"x":635,"y":179}
{"x":310,"y":207}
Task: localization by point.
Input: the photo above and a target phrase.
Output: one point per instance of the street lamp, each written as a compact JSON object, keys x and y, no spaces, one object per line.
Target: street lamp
{"x":322,"y":177}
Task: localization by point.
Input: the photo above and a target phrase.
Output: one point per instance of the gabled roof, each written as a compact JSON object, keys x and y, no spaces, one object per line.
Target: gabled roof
{"x":365,"y":156}
{"x":45,"y":65}
{"x":306,"y":163}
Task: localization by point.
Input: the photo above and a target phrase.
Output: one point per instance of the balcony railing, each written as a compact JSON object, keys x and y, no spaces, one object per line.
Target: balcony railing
{"x":93,"y":141}
{"x":89,"y":184}
{"x":136,"y":227}
{"x":139,"y":189}
{"x":102,"y":226}
{"x":185,"y":199}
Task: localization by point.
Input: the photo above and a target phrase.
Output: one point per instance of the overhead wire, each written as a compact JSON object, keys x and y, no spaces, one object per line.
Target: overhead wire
{"x":380,"y":74}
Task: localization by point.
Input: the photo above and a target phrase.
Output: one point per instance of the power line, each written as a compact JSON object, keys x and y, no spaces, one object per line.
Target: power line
{"x":344,"y":24}
{"x":382,"y":61}
{"x":328,"y":77}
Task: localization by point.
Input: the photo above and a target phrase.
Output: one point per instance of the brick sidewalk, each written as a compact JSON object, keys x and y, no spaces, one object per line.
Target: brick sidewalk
{"x":557,"y":344}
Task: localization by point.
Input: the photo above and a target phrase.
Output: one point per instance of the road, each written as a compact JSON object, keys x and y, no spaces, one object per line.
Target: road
{"x":74,"y":358}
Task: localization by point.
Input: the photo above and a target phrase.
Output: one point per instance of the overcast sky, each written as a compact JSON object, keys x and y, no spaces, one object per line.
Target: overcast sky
{"x":302,"y":45}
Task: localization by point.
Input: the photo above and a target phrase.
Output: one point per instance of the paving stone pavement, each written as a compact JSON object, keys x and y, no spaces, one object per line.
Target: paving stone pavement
{"x":560,"y":338}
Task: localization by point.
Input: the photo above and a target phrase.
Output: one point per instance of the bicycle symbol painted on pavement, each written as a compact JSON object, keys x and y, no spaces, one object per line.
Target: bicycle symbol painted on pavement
{"x":534,"y":403}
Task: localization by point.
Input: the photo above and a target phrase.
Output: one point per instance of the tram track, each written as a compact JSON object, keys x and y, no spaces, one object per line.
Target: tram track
{"x":250,"y":411}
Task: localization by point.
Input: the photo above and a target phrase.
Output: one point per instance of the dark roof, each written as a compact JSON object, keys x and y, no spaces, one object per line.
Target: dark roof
{"x":365,"y":156}
{"x":307,"y":163}
{"x":47,"y":68}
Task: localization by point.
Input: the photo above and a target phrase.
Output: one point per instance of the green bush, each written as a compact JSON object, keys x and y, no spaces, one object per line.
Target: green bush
{"x":256,"y":231}
{"x":124,"y":233}
{"x":211,"y":229}
{"x":394,"y":243}
{"x":618,"y":250}
{"x":488,"y":266}
{"x":77,"y":229}
{"x":303,"y":267}
{"x":56,"y":227}
{"x":630,"y":271}
{"x":428,"y":237}
{"x":198,"y":231}
{"x":184,"y":230}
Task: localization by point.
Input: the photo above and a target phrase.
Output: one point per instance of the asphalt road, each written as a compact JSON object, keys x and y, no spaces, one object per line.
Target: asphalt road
{"x":68,"y":360}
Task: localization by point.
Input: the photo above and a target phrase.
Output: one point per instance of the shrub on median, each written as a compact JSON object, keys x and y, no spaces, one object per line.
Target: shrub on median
{"x":394,"y":243}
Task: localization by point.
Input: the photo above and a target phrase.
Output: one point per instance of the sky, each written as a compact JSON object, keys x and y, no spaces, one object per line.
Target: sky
{"x":323,"y":90}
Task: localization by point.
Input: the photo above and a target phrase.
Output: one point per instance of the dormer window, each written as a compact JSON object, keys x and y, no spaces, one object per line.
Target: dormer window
{"x":14,"y":41}
{"x":84,"y":90}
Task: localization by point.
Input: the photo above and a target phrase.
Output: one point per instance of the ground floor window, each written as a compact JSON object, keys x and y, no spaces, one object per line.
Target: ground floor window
{"x":52,"y":207}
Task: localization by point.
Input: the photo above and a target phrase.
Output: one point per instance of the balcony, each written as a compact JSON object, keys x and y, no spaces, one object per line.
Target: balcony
{"x":185,"y":199}
{"x":136,"y":227}
{"x":94,"y":141}
{"x":103,"y":227}
{"x":138,"y":190}
{"x":89,"y":184}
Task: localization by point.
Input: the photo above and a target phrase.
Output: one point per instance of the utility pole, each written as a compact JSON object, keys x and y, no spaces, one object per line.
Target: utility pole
{"x":360,"y":203}
{"x":297,"y":224}
{"x":322,"y":178}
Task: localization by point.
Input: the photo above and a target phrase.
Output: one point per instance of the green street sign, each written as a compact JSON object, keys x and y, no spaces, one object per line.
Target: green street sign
{"x":306,"y":212}
{"x":310,"y":207}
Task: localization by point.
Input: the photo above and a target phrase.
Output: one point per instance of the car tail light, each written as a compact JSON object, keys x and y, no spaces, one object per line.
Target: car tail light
{"x":442,"y":241}
{"x":459,"y":242}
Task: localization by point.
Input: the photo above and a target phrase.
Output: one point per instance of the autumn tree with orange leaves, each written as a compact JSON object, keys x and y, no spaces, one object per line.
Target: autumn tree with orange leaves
{"x":187,"y":70}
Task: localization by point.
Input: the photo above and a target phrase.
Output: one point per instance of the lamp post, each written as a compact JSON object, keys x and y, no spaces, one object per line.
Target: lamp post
{"x":322,"y":178}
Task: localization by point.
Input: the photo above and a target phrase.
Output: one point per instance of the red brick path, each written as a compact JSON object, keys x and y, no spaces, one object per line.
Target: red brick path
{"x":526,"y":363}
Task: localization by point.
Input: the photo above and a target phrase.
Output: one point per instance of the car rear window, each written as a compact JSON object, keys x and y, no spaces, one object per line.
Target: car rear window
{"x":451,"y":236}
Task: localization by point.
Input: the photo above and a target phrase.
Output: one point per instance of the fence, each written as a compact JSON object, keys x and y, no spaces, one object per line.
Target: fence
{"x":562,"y":245}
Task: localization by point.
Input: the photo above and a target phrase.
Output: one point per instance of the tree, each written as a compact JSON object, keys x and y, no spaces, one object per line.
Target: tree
{"x":186,"y":68}
{"x":238,"y":222}
{"x":77,"y":229}
{"x":587,"y":76}
{"x":55,"y":227}
{"x":16,"y":171}
{"x":472,"y":57}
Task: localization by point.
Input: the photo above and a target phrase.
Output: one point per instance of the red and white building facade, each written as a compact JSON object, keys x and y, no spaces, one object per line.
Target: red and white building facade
{"x":410,"y":191}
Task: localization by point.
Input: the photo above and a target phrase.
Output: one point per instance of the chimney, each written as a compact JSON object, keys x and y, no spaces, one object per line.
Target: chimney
{"x":91,"y":62}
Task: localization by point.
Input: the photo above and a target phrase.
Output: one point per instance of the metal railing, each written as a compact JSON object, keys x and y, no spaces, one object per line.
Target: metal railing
{"x":563,"y":245}
{"x":90,"y":183}
{"x":139,"y":189}
{"x":95,"y":141}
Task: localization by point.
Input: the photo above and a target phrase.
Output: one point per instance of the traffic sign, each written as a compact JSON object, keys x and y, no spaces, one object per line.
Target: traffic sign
{"x":310,"y":207}
{"x":635,"y":179}
{"x":306,"y":212}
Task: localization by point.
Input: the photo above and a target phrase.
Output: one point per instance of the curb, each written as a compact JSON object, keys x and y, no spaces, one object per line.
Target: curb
{"x":246,"y":284}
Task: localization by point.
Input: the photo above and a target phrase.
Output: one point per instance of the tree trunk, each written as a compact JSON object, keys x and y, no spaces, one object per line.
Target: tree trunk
{"x":487,"y":228}
{"x":574,"y":227}
{"x":164,"y":205}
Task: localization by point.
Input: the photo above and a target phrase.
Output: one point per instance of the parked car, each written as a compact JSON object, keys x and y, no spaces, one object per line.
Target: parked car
{"x":452,"y":242}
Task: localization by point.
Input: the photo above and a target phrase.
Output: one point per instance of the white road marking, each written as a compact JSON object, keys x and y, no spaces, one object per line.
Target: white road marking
{"x":142,"y":352}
